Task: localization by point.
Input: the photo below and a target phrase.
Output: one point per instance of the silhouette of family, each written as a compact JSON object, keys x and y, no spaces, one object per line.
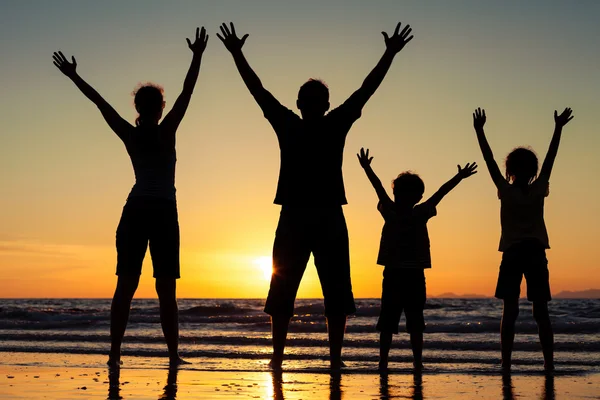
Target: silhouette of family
{"x":311,"y":194}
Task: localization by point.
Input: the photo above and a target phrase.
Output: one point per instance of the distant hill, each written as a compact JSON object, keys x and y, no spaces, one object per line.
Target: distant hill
{"x":450,"y":295}
{"x":582,"y":294}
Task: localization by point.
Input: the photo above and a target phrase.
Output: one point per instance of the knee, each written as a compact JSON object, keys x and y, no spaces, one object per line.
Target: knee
{"x":166,"y":289}
{"x":540,"y":314}
{"x":126,"y":286}
{"x":510,"y":312}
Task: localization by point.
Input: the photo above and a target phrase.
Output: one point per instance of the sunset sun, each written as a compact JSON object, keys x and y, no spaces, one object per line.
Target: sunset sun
{"x":265,"y":264}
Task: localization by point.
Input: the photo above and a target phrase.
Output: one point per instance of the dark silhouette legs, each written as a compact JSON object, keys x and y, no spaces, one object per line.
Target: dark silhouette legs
{"x":416,"y":342}
{"x":279,"y":330}
{"x":336,"y":327}
{"x":169,"y":316}
{"x":542,"y":318}
{"x":507,"y":331}
{"x":119,"y":315}
{"x":385,"y":343}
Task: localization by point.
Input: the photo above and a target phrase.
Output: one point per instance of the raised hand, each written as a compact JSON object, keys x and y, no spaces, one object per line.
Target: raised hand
{"x":562,"y":119}
{"x":230,"y":39}
{"x":398,"y":41}
{"x":479,"y":118}
{"x":363,"y":158}
{"x":67,"y":68}
{"x":467,"y":171}
{"x":200,"y":41}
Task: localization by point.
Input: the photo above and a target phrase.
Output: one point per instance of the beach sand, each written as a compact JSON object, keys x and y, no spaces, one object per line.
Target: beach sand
{"x":55,"y":378}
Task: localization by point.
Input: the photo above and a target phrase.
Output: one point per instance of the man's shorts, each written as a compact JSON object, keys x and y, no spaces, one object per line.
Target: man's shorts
{"x":323,"y":232}
{"x":529,"y":259}
{"x":148,"y":220}
{"x":403,"y":290}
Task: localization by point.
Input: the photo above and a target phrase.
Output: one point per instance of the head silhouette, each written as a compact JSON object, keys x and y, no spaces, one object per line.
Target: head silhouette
{"x":149,"y":103}
{"x":313,"y":99}
{"x":521,"y":165}
{"x":408,"y":188}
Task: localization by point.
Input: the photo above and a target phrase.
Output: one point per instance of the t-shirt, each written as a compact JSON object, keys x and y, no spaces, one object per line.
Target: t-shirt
{"x":404,"y":238}
{"x":152,"y":153}
{"x":522,"y":214}
{"x":310,"y":172}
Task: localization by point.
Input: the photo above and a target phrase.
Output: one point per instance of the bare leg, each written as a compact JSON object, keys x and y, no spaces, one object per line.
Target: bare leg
{"x":279,"y":330}
{"x":385,"y":343}
{"x":336,"y":327}
{"x":169,"y":316}
{"x":416,"y":342}
{"x":507,"y":330}
{"x":119,"y":315}
{"x":542,"y":317}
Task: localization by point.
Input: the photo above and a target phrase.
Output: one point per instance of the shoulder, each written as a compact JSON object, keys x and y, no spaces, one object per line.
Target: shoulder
{"x":425,"y":210}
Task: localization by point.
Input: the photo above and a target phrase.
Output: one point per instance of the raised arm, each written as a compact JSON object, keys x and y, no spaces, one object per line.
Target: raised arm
{"x":467,"y":171}
{"x":394,"y":45}
{"x":559,"y":122}
{"x":174,"y":117}
{"x":234,"y":44}
{"x":365,"y":162}
{"x":479,"y":119}
{"x":114,"y":120}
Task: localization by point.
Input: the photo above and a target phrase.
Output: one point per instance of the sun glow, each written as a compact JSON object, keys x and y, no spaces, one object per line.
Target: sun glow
{"x":265,"y":264}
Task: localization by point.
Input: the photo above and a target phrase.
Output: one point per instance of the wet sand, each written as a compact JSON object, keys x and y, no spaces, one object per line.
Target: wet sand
{"x":90,"y":380}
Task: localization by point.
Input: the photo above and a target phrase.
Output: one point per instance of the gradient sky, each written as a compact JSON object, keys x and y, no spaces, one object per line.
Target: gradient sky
{"x":65,"y":175}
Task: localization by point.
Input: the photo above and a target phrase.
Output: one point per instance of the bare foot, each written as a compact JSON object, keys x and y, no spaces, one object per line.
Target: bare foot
{"x":383,"y":367}
{"x":275,"y":363}
{"x":176,"y":362}
{"x":114,"y":362}
{"x":337,"y":365}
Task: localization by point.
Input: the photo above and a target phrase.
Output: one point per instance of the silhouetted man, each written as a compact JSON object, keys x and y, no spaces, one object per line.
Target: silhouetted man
{"x":311,"y":192}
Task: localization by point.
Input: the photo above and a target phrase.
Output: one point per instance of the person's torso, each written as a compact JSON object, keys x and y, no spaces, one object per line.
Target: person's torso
{"x":311,"y":161}
{"x":522,"y":215}
{"x":153,"y":157}
{"x":405,"y":241}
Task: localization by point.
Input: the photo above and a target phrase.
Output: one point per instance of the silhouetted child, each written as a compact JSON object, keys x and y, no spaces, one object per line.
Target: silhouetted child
{"x":524,"y":239}
{"x":149,"y":217}
{"x":404,"y":252}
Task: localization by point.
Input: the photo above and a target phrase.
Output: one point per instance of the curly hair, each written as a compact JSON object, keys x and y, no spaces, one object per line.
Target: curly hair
{"x":149,"y":101}
{"x":409,"y":182}
{"x":521,"y":163}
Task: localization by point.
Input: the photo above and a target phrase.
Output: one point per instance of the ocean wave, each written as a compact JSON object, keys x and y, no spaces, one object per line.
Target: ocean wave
{"x":491,"y":344}
{"x":473,"y":359}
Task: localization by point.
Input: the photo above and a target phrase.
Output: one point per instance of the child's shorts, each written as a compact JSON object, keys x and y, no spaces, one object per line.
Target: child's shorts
{"x":529,"y":259}
{"x":403,"y":290}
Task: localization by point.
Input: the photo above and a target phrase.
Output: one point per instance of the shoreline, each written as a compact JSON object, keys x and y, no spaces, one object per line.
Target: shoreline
{"x":62,"y":376}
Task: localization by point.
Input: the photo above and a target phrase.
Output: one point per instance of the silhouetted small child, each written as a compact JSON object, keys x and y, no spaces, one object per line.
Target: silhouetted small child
{"x":524,"y":238}
{"x":404,"y":252}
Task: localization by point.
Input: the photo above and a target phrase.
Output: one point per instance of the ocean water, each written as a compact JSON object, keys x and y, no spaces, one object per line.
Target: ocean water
{"x":462,"y":334}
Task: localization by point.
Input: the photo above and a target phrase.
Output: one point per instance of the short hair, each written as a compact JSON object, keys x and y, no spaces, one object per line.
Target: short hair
{"x":523,"y":163}
{"x":314,"y":88}
{"x":149,"y":101}
{"x":410,"y":182}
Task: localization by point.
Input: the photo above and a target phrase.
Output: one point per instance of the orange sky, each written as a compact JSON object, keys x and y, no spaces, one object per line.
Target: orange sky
{"x":66,"y":176}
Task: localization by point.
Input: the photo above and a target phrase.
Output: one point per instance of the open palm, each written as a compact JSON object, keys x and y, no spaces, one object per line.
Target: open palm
{"x":230,"y":39}
{"x":66,"y":67}
{"x":200,"y":41}
{"x":397,"y":41}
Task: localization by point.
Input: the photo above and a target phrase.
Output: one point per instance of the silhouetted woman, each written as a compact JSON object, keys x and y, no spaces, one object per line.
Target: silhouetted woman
{"x":150,"y":214}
